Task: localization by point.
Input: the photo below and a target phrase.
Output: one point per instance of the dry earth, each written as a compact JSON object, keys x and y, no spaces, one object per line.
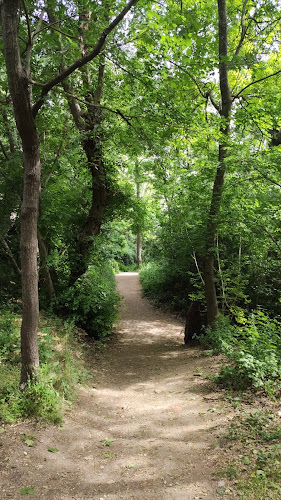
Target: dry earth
{"x":146,"y":428}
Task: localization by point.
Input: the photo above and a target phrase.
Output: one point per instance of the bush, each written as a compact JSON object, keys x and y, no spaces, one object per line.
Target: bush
{"x":93,"y":303}
{"x":254,"y":349}
{"x":60,"y":371}
{"x":163,"y":284}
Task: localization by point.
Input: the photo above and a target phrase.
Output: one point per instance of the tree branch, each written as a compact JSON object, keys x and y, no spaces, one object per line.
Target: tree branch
{"x":79,"y":63}
{"x":9,"y":252}
{"x":266,"y":177}
{"x":256,"y":81}
{"x":29,"y":42}
{"x":243,"y":29}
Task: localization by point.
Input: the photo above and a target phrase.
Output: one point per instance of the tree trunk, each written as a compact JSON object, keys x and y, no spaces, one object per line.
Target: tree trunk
{"x":18,"y":81}
{"x":213,"y":219}
{"x":45,"y":268}
{"x":139,"y":249}
{"x":91,"y":139}
{"x":29,"y":250}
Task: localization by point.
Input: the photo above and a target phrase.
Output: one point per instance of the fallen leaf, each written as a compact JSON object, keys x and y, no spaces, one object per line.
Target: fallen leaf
{"x":53,"y":450}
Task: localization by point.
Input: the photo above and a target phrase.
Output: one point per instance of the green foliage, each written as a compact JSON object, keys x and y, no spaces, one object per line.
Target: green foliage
{"x":165,"y":285}
{"x":41,"y":399}
{"x":254,"y":349}
{"x":61,"y":370}
{"x":92,"y":301}
{"x":258,"y":465}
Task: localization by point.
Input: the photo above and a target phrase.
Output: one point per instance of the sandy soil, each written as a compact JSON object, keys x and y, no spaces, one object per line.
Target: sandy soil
{"x":147,"y":427}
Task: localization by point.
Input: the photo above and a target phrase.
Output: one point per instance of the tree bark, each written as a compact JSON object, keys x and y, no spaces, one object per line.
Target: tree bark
{"x":213,"y":219}
{"x":18,"y":81}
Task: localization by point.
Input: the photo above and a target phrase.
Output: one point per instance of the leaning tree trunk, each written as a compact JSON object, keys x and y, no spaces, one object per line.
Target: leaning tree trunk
{"x":18,"y":80}
{"x":213,"y":219}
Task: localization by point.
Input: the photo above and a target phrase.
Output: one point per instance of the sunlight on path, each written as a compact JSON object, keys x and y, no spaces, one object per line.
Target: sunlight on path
{"x":144,"y":429}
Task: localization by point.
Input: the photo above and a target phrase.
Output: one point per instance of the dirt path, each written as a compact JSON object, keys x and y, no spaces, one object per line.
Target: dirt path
{"x":146,"y":429}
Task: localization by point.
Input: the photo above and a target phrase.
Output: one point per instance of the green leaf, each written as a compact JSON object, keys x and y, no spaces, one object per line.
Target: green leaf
{"x":29,"y":442}
{"x":53,"y":450}
{"x":221,"y":491}
{"x":27,"y":491}
{"x":106,"y":441}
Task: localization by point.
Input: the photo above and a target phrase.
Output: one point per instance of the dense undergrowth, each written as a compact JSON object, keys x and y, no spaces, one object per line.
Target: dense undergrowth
{"x":253,"y":349}
{"x":62,"y":368}
{"x":92,"y":304}
{"x":165,"y":286}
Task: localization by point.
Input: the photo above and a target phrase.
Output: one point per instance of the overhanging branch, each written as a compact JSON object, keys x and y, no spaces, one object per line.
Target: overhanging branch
{"x":256,"y":81}
{"x":79,"y":63}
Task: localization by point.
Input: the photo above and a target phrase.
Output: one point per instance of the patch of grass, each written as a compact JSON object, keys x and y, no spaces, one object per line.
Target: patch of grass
{"x":61,"y":369}
{"x":255,"y":454}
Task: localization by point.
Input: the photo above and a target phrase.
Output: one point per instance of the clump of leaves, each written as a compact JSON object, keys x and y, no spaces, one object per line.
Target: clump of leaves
{"x":254,"y":349}
{"x":28,"y":439}
{"x":27,"y":491}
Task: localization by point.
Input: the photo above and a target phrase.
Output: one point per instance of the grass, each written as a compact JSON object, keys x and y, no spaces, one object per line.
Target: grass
{"x":253,"y":442}
{"x":62,"y":367}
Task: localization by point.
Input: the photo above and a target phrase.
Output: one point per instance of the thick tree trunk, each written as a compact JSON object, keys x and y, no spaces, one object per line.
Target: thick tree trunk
{"x":18,"y":81}
{"x":29,"y":250}
{"x":213,"y":219}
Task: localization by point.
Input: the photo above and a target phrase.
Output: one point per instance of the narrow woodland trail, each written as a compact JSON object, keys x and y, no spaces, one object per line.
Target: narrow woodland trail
{"x":146,"y":428}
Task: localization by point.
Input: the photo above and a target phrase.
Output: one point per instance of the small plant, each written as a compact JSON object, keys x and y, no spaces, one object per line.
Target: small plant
{"x":28,"y":439}
{"x":107,"y":441}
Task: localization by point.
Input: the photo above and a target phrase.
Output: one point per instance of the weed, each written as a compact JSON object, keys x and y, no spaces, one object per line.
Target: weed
{"x":106,"y":441}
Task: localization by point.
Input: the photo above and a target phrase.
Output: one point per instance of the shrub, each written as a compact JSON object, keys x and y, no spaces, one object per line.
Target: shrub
{"x":254,"y":349}
{"x":163,"y":284}
{"x":93,"y":303}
